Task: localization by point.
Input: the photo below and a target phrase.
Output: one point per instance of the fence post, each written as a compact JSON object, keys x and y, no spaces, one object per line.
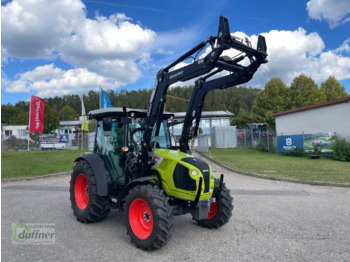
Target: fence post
{"x":268,"y":141}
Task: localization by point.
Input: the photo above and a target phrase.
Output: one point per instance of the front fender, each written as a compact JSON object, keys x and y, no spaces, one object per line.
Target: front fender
{"x":133,"y":183}
{"x":100,"y":172}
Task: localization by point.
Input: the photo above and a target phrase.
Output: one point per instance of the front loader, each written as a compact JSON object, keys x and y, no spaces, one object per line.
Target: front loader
{"x":135,"y":167}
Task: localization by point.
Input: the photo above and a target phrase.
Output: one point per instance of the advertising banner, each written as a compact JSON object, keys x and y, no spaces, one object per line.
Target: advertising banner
{"x":323,"y":141}
{"x":289,"y":143}
{"x":54,"y":139}
{"x":37,"y":115}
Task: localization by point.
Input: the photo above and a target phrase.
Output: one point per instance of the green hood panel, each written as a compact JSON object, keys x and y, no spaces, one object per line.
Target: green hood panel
{"x":171,"y":154}
{"x":165,"y":163}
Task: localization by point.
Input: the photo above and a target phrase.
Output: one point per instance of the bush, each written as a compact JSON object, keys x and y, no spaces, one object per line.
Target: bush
{"x":341,"y":150}
{"x":299,"y":152}
{"x":317,"y":150}
{"x":262,"y":147}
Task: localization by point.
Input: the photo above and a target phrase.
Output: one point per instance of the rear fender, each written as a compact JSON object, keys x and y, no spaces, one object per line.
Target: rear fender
{"x":100,"y":172}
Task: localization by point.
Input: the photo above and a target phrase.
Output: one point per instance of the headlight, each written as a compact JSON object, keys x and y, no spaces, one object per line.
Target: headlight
{"x":193,"y":172}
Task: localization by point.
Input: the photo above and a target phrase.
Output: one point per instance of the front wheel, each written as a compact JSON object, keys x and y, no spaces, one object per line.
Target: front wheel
{"x":148,"y":217}
{"x":221,"y":210}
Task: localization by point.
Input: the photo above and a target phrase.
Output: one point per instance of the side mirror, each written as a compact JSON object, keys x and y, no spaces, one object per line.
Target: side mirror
{"x":126,"y":120}
{"x":107,"y":126}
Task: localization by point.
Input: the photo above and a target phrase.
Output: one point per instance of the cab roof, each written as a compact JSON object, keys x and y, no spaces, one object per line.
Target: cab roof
{"x":118,"y":111}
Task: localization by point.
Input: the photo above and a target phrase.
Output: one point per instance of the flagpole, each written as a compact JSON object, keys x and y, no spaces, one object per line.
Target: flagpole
{"x":30,"y":109}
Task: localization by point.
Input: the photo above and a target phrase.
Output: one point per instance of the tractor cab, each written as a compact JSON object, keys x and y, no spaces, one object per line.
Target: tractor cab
{"x":118,"y":143}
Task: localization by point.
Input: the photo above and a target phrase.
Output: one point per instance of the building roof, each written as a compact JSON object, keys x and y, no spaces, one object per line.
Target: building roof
{"x":206,"y":114}
{"x":328,"y":103}
{"x":70,"y":123}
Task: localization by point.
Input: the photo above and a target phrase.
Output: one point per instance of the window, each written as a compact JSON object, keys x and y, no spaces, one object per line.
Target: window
{"x":215,"y":122}
{"x":110,"y":148}
{"x":179,"y":126}
{"x":163,"y":139}
{"x":8,"y":133}
{"x":22,"y":132}
{"x":225,"y":122}
{"x":204,"y":123}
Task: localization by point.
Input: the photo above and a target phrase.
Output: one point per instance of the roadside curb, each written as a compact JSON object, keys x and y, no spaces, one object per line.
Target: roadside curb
{"x":34,"y":177}
{"x":316,"y":183}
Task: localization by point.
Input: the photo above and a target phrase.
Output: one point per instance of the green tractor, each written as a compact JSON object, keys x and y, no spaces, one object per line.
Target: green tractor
{"x":135,"y":166}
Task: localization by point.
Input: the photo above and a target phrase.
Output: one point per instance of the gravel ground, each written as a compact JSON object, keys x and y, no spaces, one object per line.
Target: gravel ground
{"x":272,"y":221}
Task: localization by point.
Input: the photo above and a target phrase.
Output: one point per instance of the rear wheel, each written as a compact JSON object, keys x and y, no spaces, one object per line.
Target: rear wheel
{"x":86,"y":204}
{"x":221,"y":210}
{"x":148,"y":217}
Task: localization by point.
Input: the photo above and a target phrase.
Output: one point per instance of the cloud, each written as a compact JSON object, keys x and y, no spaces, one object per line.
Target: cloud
{"x":345,"y":47}
{"x":49,"y":80}
{"x":335,"y":12}
{"x":34,"y":29}
{"x":291,"y":53}
{"x":103,"y":49}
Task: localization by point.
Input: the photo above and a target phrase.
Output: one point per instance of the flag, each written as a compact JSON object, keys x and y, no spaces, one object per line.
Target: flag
{"x":36,"y":118}
{"x":84,"y":121}
{"x":83,"y":113}
{"x":105,"y":103}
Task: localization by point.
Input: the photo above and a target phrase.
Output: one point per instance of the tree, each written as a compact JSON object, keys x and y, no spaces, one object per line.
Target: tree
{"x":332,"y":89}
{"x":12,"y":115}
{"x":23,"y":105}
{"x":274,"y":98}
{"x":241,"y":121}
{"x":51,"y":121}
{"x":68,"y":113}
{"x":304,"y":92}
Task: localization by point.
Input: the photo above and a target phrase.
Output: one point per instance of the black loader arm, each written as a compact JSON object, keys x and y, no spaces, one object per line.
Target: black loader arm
{"x":212,"y":64}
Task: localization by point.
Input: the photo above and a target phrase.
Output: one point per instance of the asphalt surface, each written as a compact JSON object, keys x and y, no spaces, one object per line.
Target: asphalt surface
{"x":272,"y":221}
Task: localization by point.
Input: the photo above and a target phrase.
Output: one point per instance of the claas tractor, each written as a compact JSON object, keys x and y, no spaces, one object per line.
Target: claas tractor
{"x":135,"y":167}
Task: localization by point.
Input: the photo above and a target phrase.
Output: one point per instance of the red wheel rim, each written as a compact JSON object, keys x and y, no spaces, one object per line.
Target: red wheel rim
{"x":81,"y":191}
{"x":213,"y":210}
{"x":141,"y":218}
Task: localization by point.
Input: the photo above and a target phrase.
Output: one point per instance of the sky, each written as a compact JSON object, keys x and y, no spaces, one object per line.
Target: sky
{"x":53,"y":48}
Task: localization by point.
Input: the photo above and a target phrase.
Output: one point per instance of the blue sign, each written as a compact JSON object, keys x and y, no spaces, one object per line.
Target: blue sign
{"x":289,"y":143}
{"x":64,"y":138}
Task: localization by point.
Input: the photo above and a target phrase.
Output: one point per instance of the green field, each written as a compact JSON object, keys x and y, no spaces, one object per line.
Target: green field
{"x":276,"y":165}
{"x":24,"y":164}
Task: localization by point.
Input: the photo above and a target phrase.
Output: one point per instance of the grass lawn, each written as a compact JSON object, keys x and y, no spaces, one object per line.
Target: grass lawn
{"x":274,"y":164}
{"x":23,"y":164}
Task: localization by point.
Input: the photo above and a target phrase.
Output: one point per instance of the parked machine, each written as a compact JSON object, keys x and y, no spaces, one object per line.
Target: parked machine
{"x":134,"y":165}
{"x":254,"y":134}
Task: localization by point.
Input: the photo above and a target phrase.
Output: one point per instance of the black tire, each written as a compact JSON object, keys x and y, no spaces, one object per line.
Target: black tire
{"x":155,"y":227}
{"x":90,"y":207}
{"x":223,"y":209}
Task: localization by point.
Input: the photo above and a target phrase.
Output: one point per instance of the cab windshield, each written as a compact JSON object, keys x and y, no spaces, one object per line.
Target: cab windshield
{"x":163,"y":140}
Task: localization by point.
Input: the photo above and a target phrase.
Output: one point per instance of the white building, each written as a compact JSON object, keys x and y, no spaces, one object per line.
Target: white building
{"x":209,"y":119}
{"x":331,"y":116}
{"x":19,"y":131}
